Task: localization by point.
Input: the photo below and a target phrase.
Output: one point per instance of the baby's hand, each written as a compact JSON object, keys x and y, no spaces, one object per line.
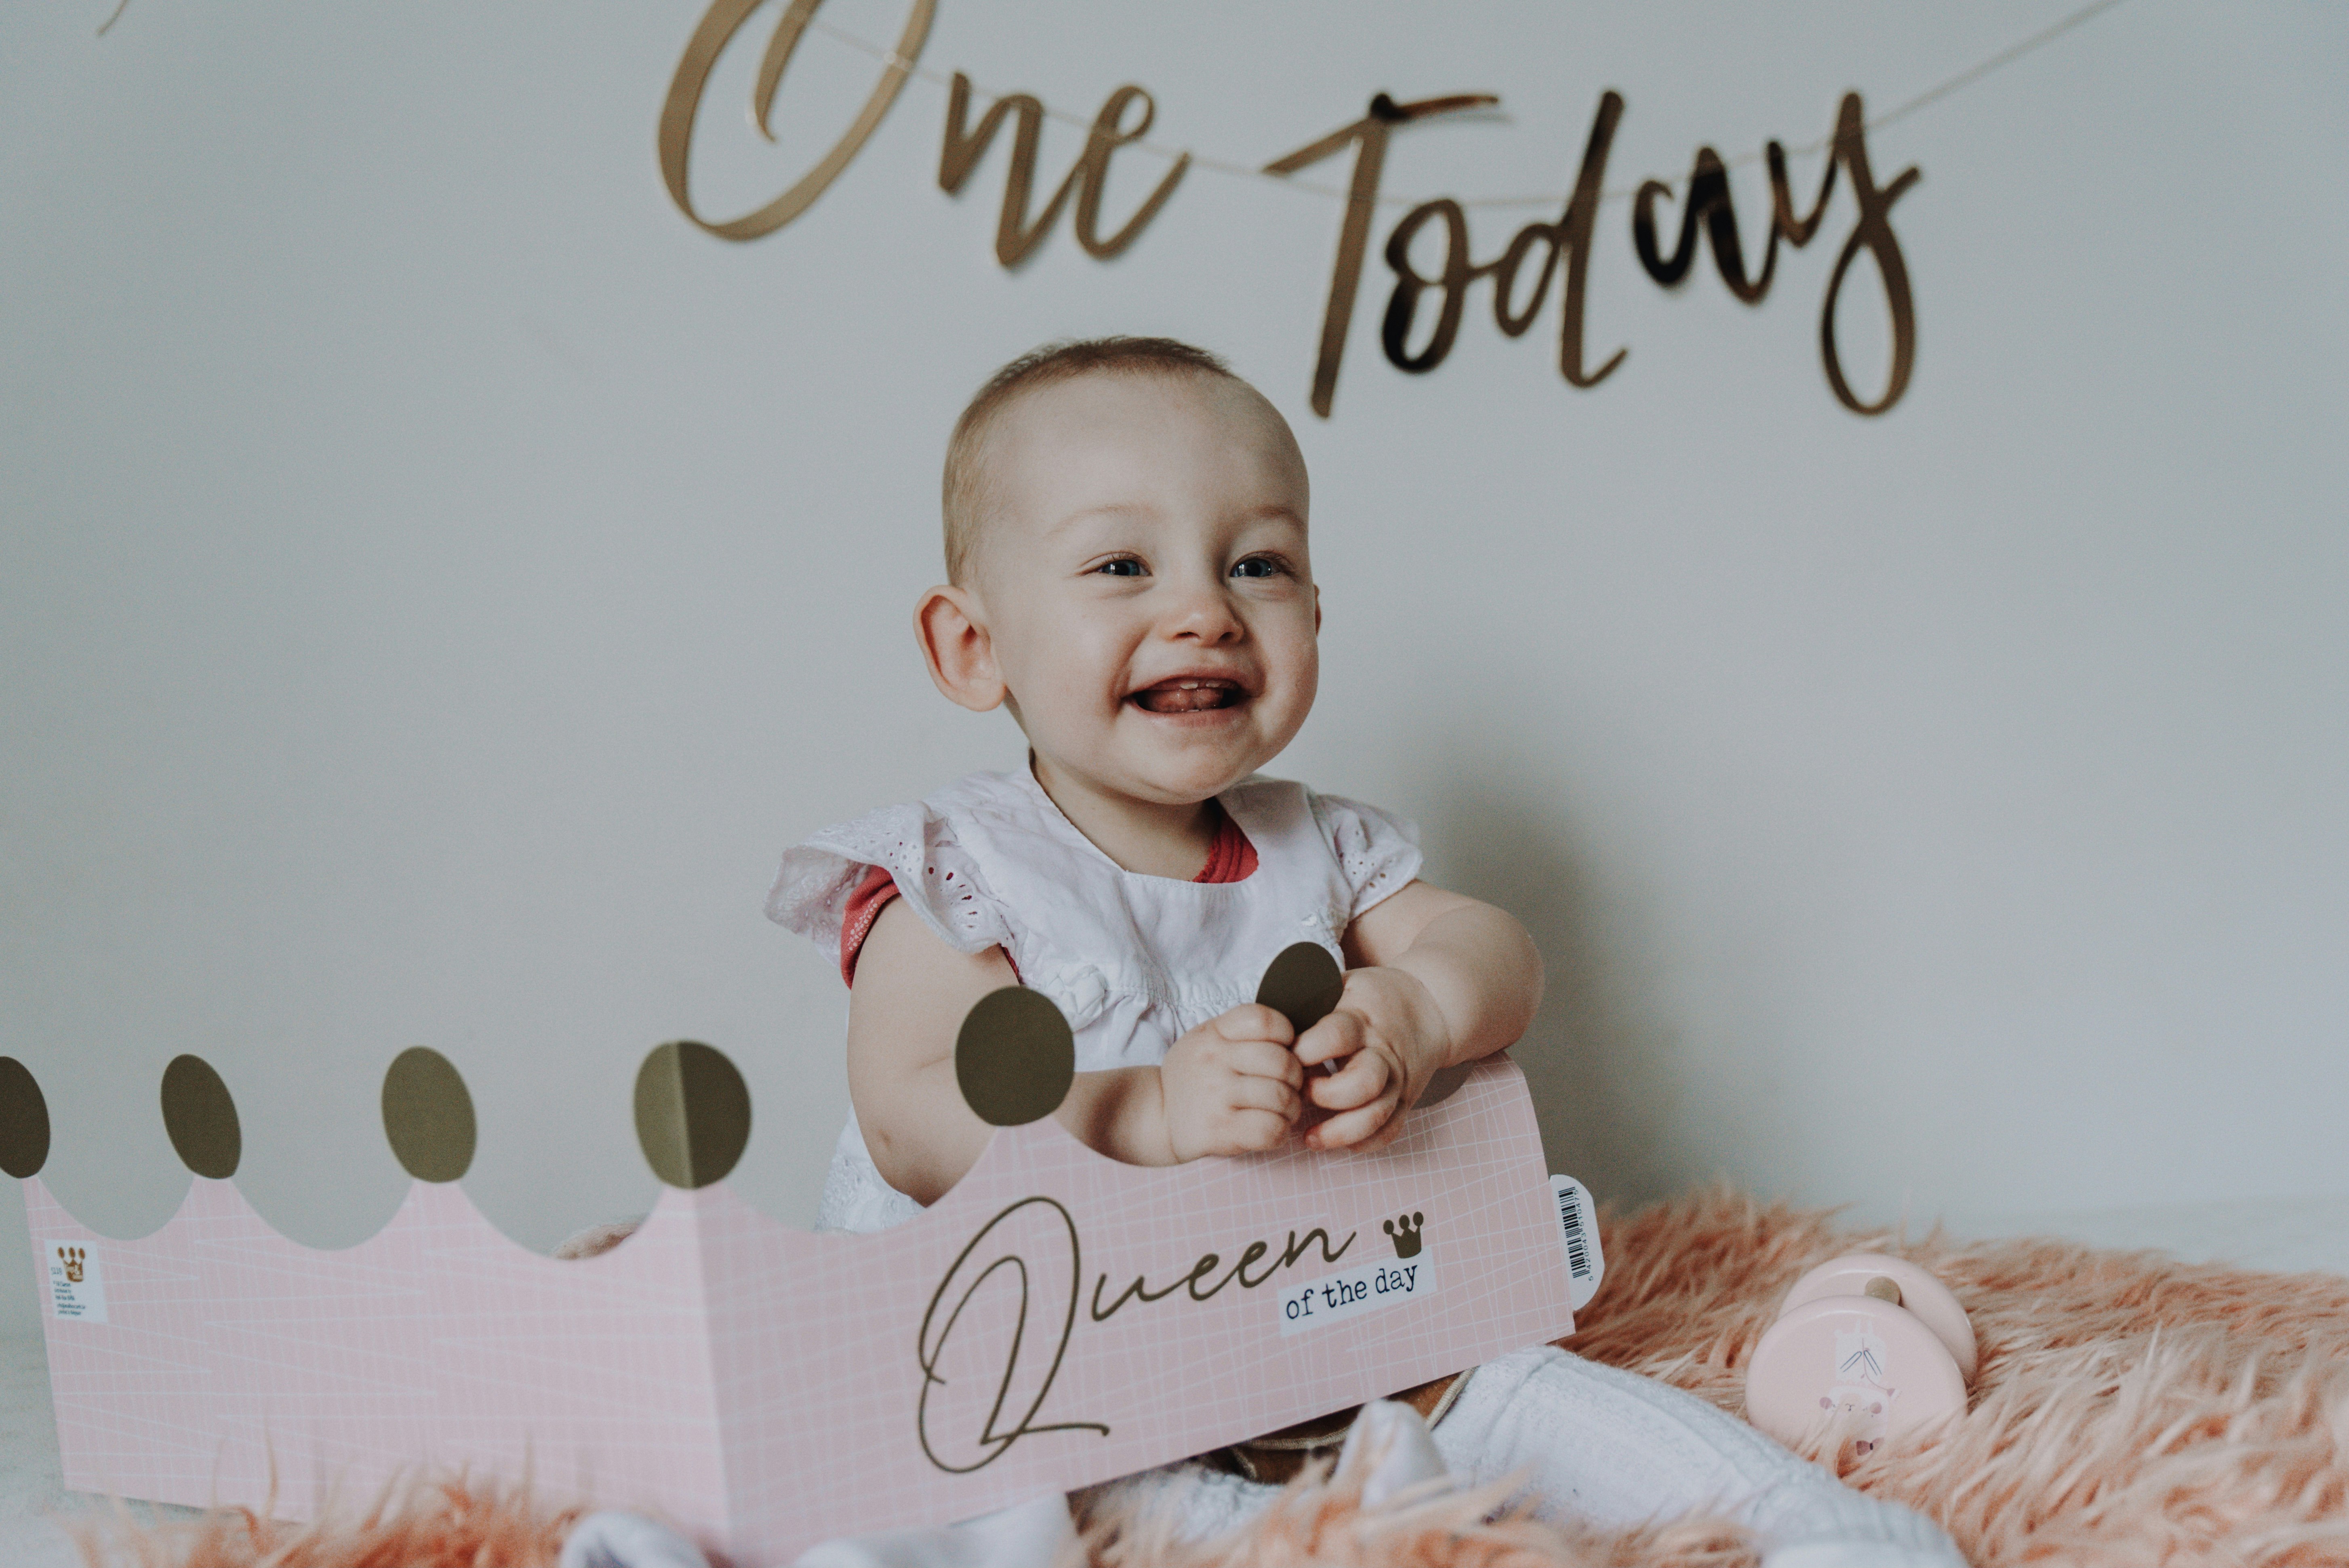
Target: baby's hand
{"x":1391,"y":1037}
{"x":1231,"y":1085}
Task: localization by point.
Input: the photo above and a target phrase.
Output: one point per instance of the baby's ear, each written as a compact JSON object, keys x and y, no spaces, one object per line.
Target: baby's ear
{"x":952,"y":629}
{"x":1015,"y":1056}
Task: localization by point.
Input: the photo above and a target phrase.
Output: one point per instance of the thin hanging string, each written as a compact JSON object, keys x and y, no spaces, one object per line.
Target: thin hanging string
{"x":1933,"y":94}
{"x":945,"y":79}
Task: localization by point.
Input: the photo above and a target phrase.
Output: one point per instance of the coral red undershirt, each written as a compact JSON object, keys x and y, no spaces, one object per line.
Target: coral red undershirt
{"x":1230,"y":859}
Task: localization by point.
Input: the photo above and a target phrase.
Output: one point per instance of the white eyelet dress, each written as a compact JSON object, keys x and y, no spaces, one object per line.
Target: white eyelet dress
{"x":1133,"y":961}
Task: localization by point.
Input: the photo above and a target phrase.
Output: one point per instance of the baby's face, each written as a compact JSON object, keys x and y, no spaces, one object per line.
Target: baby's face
{"x":1144,"y":573}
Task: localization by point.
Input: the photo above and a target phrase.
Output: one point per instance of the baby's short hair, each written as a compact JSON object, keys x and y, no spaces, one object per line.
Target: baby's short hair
{"x":1038,"y":368}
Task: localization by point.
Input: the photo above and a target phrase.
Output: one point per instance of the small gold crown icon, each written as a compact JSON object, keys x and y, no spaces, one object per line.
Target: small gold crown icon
{"x":1405,"y":1229}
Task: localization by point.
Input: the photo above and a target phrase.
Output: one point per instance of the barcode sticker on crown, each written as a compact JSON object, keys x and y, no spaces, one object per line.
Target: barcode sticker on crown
{"x":1578,"y":1230}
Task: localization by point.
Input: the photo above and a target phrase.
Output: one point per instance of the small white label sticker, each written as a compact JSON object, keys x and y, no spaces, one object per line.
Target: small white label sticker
{"x":1577,"y":1232}
{"x":76,"y":1286}
{"x":1365,"y":1287}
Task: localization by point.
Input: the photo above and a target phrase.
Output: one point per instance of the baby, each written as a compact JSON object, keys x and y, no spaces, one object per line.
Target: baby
{"x":1126,"y":543}
{"x":1129,"y":574}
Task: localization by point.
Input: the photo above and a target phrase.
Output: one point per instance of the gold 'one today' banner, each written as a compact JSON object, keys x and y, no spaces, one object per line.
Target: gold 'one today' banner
{"x":1428,"y":305}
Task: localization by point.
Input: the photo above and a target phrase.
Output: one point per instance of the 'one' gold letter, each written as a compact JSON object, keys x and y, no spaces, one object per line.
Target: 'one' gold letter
{"x":718,"y":25}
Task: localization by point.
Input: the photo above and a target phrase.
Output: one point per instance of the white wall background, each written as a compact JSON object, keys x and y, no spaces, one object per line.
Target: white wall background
{"x":435,"y":579}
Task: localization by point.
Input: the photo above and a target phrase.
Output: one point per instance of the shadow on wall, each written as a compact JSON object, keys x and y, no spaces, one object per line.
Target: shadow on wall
{"x":1600,"y":1058}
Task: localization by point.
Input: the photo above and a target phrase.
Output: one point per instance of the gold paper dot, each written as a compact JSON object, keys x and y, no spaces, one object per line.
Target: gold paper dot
{"x":200,"y":1117}
{"x":23,"y":1122}
{"x":693,"y":1113}
{"x":1015,"y":1057}
{"x":1302,"y":986}
{"x":427,"y":1115}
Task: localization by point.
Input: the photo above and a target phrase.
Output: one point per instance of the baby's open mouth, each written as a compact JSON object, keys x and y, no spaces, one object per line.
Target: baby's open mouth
{"x":1189,"y":694}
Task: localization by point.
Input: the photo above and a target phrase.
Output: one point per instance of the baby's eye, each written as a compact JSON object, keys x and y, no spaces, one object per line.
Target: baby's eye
{"x":1123,"y":566}
{"x":1257,"y":566}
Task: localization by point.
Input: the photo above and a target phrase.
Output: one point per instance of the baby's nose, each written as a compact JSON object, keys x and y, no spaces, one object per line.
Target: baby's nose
{"x":1205,"y":614}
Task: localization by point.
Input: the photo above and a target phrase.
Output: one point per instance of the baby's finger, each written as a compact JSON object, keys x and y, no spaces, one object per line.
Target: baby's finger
{"x":1366,"y":1075}
{"x":1266,"y":1094}
{"x":1338,"y":1035}
{"x":1253,"y":1132}
{"x":1254,"y":1021}
{"x":1352,"y":1127}
{"x":1385,"y":1134}
{"x":1263,"y":1060}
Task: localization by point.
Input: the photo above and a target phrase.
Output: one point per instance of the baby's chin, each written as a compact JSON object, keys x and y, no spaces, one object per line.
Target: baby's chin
{"x":1175,"y":768}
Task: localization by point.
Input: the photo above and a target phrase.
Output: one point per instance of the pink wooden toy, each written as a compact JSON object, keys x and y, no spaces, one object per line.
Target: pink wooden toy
{"x":1868,"y":1339}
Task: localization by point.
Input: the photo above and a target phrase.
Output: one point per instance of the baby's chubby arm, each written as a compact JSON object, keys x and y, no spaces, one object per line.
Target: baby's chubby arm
{"x":1433,"y":980}
{"x":1230,"y":1085}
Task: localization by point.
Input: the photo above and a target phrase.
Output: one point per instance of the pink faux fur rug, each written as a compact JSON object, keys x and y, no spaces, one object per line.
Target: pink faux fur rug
{"x":2130,"y":1411}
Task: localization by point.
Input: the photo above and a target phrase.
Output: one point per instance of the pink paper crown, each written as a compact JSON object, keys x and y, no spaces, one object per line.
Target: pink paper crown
{"x":1057,"y":1319}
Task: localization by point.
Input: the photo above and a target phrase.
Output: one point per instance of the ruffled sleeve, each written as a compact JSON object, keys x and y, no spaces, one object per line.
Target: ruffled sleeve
{"x":1378,"y":853}
{"x":935,"y":875}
